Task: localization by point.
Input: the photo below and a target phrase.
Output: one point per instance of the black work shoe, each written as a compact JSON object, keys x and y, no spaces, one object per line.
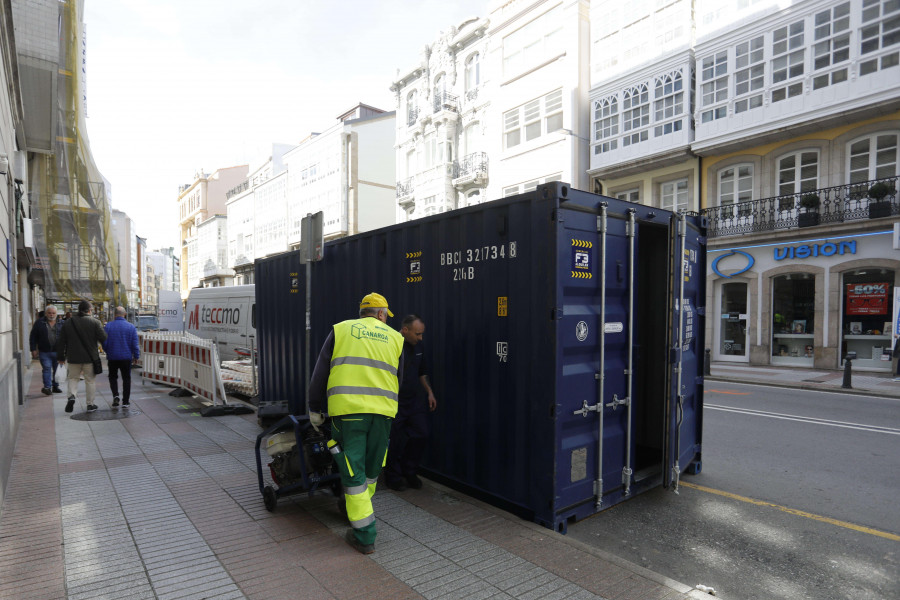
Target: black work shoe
{"x":357,"y":545}
{"x":46,"y":391}
{"x":115,"y":401}
{"x":126,"y":402}
{"x":397,"y":486}
{"x":414,"y":482}
{"x":91,"y":407}
{"x":56,"y":390}
{"x":70,"y":404}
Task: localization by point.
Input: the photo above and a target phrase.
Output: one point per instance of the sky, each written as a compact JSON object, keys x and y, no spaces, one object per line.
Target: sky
{"x":175,"y":87}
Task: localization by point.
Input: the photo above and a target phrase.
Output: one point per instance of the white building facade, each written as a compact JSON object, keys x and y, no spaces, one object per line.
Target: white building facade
{"x":197,"y":202}
{"x":538,"y":63}
{"x":347,"y":172}
{"x":780,"y":121}
{"x":212,"y":252}
{"x":442,"y":128}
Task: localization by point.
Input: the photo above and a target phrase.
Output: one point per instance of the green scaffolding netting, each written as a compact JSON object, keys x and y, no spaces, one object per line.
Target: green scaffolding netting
{"x":70,"y":200}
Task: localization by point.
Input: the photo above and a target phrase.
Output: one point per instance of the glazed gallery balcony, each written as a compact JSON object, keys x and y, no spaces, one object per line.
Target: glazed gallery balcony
{"x":851,"y":202}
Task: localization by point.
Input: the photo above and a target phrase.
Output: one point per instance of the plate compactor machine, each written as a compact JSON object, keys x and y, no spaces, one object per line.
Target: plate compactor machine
{"x":300,"y":463}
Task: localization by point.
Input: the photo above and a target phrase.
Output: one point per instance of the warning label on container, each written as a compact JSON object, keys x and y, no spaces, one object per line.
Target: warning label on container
{"x":581,"y":259}
{"x":414,"y":275}
{"x":690,"y":259}
{"x":502,"y":306}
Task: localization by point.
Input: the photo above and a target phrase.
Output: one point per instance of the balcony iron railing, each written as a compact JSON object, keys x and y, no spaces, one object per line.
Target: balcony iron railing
{"x":838,"y":204}
{"x":445,"y":101}
{"x":406,"y":187}
{"x":472,"y":165}
{"x":412,"y":115}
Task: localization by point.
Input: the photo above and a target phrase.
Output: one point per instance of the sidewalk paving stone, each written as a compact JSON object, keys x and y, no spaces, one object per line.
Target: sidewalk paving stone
{"x":162,"y":503}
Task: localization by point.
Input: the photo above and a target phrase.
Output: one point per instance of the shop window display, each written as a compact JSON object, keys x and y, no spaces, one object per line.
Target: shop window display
{"x":793,"y":319}
{"x":866,"y":310}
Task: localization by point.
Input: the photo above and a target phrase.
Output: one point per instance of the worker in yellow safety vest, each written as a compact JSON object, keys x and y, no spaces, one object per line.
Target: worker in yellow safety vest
{"x":357,"y":375}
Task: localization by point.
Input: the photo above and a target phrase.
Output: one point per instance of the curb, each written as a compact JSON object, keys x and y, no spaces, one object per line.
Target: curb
{"x":806,"y":386}
{"x":653,"y":576}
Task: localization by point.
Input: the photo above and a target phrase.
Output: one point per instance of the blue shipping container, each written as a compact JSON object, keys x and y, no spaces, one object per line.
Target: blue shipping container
{"x":564,"y":337}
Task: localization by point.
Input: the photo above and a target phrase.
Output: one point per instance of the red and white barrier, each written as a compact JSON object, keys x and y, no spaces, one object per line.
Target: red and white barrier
{"x":183,"y":360}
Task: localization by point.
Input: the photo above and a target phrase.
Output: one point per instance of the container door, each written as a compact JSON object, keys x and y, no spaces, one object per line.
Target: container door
{"x":685,"y":399}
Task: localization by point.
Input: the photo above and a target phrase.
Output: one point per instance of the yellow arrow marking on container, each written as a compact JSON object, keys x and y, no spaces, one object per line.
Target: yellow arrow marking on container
{"x":794,"y":511}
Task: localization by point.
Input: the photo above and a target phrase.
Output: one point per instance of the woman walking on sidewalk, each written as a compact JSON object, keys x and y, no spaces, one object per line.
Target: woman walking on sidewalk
{"x":78,"y":344}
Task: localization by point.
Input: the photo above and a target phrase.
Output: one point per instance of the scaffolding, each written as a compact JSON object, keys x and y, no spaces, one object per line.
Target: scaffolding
{"x":70,"y":199}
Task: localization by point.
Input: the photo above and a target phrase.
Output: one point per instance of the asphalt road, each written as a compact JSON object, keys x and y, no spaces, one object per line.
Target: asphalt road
{"x":799,"y":497}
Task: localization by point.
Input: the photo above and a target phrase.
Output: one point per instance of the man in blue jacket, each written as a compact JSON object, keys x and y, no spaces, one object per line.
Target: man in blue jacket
{"x":122,"y":350}
{"x":43,"y":346}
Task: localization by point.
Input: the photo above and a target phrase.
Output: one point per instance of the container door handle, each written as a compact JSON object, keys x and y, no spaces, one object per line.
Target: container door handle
{"x":585,"y":409}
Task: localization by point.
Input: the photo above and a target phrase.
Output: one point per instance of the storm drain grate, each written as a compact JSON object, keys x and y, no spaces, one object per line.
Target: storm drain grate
{"x":107,"y":415}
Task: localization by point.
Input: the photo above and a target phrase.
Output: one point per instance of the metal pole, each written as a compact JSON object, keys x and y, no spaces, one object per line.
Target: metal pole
{"x":602,"y":373}
{"x":847,"y":374}
{"x":682,"y":233}
{"x":306,"y":375}
{"x":253,"y":364}
{"x":626,"y":471}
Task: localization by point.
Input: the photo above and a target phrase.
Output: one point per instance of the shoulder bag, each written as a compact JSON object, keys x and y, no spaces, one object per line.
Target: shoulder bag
{"x":98,"y":365}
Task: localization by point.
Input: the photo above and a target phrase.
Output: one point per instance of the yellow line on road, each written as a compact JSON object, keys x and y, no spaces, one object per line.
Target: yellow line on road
{"x":794,"y":511}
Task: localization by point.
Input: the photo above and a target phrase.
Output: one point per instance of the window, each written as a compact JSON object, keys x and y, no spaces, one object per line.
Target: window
{"x":539,"y":117}
{"x":736,"y":186}
{"x":832,"y":44}
{"x":635,"y":114}
{"x":530,"y":185}
{"x":539,"y":40}
{"x":714,"y":74}
{"x":873,"y":157}
{"x":630,"y":195}
{"x":668,"y":103}
{"x":793,"y":315}
{"x":788,"y":60}
{"x":674,"y":195}
{"x":881,"y":29}
{"x":749,"y":75}
{"x":412,"y":110}
{"x":798,"y":172}
{"x":606,"y":118}
{"x":473,"y":72}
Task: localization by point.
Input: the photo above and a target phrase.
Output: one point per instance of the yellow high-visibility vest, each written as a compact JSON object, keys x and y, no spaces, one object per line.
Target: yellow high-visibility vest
{"x":363,"y":376}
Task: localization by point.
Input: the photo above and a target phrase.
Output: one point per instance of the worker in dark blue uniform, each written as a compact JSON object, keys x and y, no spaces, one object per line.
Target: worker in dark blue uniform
{"x":409,"y":432}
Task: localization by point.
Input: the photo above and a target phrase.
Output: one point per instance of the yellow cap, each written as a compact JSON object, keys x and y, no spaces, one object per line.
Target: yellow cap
{"x":374,"y":300}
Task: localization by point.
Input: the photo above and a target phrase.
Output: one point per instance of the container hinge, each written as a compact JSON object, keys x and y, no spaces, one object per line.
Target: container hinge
{"x":698,"y":380}
{"x":598,"y":376}
{"x":701,"y":240}
{"x":617,"y":402}
{"x":701,"y":310}
{"x":586,"y":408}
{"x":556,"y":314}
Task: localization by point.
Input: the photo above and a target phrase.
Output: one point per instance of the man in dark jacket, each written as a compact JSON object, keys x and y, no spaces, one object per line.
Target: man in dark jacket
{"x":77,"y":343}
{"x":43,"y":347}
{"x":409,"y":431}
{"x":122,"y":350}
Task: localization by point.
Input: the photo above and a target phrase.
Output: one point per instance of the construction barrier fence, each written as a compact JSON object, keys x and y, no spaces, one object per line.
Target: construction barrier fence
{"x":183,"y":360}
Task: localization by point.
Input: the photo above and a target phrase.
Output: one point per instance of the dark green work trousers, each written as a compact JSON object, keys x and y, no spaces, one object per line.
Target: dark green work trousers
{"x":363,"y":442}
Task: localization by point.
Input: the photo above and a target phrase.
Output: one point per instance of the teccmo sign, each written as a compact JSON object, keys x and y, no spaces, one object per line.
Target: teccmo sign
{"x":213,"y":315}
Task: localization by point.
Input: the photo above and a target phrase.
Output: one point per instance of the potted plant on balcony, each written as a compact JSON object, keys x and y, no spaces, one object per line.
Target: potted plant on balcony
{"x":810,"y":215}
{"x":878,"y":205}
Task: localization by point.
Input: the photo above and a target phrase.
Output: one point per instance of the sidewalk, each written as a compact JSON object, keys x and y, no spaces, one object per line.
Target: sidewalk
{"x":862,"y":382}
{"x":159,"y":502}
